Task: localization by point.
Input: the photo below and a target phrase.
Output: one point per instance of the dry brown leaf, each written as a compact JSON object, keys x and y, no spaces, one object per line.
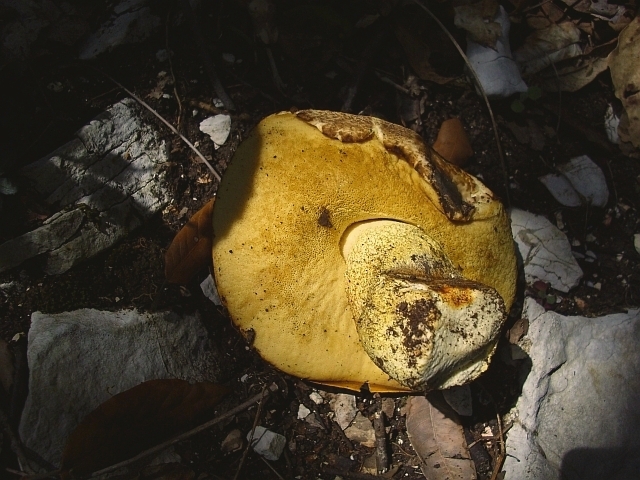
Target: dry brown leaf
{"x":135,"y":420}
{"x":572,"y":74}
{"x":418,"y":50}
{"x":548,"y":46}
{"x":190,"y":250}
{"x":437,"y":437}
{"x":478,"y":21}
{"x":625,"y":74}
{"x":453,"y":142}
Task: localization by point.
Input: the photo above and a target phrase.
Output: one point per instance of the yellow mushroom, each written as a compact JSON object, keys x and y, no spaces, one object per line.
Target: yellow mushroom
{"x":353,"y":254}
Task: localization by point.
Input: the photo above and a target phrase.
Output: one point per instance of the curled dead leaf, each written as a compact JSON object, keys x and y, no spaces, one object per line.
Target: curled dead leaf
{"x":453,"y":142}
{"x":625,"y":74}
{"x":190,"y":250}
{"x":428,"y":55}
{"x":477,"y":20}
{"x":137,"y":419}
{"x":438,"y":438}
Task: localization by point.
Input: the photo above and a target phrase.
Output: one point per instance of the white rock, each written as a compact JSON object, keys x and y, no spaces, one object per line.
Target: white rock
{"x":636,"y":242}
{"x":316,"y":398}
{"x":496,"y":69}
{"x":303,"y":412}
{"x":217,"y":127}
{"x":577,"y":417}
{"x":106,"y":182}
{"x":580,"y":182}
{"x":611,"y":123}
{"x":133,"y":22}
{"x":344,"y":406}
{"x":545,"y":251}
{"x":459,"y":398}
{"x":79,"y":359}
{"x":361,"y":431}
{"x":267,"y":443}
{"x":208,"y":287}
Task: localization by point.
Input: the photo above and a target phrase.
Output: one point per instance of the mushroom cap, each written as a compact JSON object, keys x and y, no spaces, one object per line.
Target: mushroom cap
{"x":308,"y":190}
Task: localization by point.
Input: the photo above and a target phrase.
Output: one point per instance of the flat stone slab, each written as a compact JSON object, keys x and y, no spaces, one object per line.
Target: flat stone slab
{"x":545,"y":251}
{"x":104,"y":183}
{"x":579,"y":183}
{"x":79,"y":359}
{"x":578,"y":417}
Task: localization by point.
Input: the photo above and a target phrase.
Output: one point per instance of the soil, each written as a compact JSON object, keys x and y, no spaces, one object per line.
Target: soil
{"x":320,"y":56}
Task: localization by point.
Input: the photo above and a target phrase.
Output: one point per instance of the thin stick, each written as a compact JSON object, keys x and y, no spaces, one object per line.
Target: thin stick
{"x":484,"y":96}
{"x":184,"y":436}
{"x":42,"y":476}
{"x":253,"y":431}
{"x":498,"y":463}
{"x":171,"y":127}
{"x":271,"y":468}
{"x":173,"y":76}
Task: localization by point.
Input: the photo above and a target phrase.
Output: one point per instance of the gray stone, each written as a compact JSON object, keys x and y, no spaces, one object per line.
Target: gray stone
{"x":344,"y":407}
{"x":267,"y":443}
{"x":580,"y":182}
{"x":578,"y":417}
{"x":217,"y":127}
{"x":361,"y":431}
{"x":496,"y":69}
{"x":545,"y":251}
{"x":132,"y":22}
{"x":106,"y":182}
{"x":79,"y":359}
{"x":459,"y":398}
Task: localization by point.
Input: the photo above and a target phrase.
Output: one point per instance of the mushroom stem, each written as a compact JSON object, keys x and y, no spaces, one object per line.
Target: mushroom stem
{"x":418,"y":318}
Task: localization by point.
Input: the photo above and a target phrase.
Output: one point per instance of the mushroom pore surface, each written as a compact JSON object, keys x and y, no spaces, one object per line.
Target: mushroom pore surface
{"x":340,"y":243}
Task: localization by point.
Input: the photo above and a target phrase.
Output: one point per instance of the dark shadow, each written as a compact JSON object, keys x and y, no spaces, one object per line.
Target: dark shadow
{"x":622,"y":463}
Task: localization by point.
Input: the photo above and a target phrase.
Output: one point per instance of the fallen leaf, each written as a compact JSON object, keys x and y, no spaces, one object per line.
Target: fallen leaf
{"x":548,"y":46}
{"x":438,"y":438}
{"x":422,"y":58}
{"x":135,"y":420}
{"x":625,"y":74}
{"x":478,"y":20}
{"x":453,"y":142}
{"x":190,"y":250}
{"x":572,"y":74}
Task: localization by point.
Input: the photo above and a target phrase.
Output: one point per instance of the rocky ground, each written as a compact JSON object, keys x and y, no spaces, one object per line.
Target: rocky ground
{"x":327,"y":58}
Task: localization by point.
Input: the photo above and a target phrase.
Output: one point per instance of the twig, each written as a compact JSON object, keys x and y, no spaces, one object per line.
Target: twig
{"x":206,"y":58}
{"x":173,"y":76}
{"x":15,"y":472}
{"x":42,"y":476}
{"x":484,"y":96}
{"x":253,"y":431}
{"x":271,"y":468}
{"x":382,"y":457}
{"x":497,"y":466}
{"x":184,"y":436}
{"x":171,"y":127}
{"x":393,"y":84}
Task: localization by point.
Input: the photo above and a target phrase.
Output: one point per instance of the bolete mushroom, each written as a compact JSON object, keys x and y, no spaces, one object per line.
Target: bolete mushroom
{"x":351,"y":254}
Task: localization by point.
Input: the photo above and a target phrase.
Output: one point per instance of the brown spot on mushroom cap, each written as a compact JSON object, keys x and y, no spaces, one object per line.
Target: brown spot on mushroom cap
{"x":286,"y":276}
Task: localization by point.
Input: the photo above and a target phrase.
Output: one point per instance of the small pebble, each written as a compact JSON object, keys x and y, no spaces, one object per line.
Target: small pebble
{"x":303,"y":412}
{"x":316,"y":398}
{"x":590,"y":238}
